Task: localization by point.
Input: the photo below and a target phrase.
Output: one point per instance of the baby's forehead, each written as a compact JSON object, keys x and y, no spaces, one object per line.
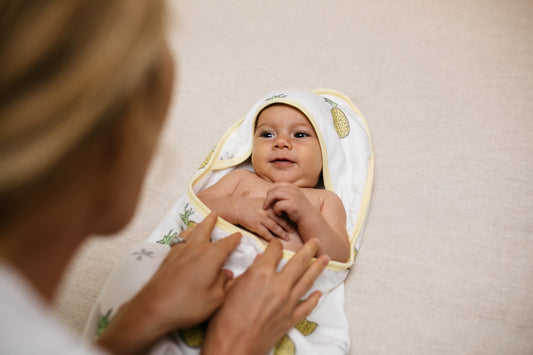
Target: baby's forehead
{"x":296,"y":114}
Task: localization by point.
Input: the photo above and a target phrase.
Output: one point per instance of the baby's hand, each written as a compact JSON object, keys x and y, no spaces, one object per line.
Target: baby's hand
{"x":288,"y":199}
{"x":264,"y":222}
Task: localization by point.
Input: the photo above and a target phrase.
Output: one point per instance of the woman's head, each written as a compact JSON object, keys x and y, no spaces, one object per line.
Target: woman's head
{"x":73,"y":72}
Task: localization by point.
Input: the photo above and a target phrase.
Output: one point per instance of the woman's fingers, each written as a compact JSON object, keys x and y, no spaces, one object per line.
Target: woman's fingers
{"x":263,"y":301}
{"x":222,"y":278}
{"x":300,"y":261}
{"x":271,"y":256}
{"x":201,"y":232}
{"x":310,"y":275}
{"x":305,"y":307}
{"x":221,"y":249}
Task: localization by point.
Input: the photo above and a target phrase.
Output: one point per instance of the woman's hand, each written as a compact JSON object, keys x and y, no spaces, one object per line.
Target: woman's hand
{"x":187,"y":288}
{"x":262,"y":304}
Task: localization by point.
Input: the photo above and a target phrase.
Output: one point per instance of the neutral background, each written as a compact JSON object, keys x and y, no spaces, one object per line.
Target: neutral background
{"x":446,"y":265}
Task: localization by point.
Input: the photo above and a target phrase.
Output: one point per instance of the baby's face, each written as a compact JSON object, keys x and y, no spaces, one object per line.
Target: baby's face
{"x":286,"y":148}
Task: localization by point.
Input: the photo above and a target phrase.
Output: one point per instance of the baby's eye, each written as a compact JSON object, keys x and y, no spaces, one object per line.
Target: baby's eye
{"x":301,"y":135}
{"x":266,"y":135}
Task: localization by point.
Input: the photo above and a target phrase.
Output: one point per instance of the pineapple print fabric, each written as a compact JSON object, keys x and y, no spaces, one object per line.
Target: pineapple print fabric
{"x":339,"y":119}
{"x":347,"y":170}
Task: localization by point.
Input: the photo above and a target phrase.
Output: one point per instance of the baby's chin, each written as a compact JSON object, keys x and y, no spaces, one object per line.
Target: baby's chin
{"x":303,"y":183}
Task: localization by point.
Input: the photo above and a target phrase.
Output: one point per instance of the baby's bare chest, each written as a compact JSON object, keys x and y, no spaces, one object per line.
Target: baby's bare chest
{"x":258,"y":188}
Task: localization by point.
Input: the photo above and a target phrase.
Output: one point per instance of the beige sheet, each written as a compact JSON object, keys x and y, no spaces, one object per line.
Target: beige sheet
{"x":446,"y":264}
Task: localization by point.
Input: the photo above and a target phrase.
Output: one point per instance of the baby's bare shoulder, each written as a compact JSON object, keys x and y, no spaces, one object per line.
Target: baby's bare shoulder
{"x":330,"y":200}
{"x":238,"y":174}
{"x":226,"y":186}
{"x":322,"y":193}
{"x":243,"y":180}
{"x":243,"y":176}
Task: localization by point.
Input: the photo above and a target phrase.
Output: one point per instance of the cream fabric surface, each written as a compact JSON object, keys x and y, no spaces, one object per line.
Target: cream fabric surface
{"x":446,"y":87}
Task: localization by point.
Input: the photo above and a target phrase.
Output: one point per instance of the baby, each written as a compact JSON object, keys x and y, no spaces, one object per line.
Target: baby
{"x":280,"y":200}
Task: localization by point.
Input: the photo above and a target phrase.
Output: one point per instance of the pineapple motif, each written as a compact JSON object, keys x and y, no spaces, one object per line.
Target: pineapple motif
{"x":185,"y":216}
{"x":306,"y":327}
{"x":207,"y":159}
{"x":167,"y":237}
{"x":339,"y":119}
{"x":286,"y":346}
{"x":280,"y":96}
{"x":186,"y":221}
{"x":103,"y":322}
{"x":194,"y":337}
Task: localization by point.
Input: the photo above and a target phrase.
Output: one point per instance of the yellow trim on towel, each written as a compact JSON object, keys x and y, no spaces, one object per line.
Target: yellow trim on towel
{"x":365,"y":199}
{"x":215,"y":164}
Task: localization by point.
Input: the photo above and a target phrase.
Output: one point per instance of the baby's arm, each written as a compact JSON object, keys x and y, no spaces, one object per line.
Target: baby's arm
{"x":327,"y":224}
{"x":220,"y":197}
{"x":245,"y":211}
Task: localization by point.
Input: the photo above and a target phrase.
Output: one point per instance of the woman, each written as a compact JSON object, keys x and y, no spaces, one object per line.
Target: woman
{"x":84,"y":89}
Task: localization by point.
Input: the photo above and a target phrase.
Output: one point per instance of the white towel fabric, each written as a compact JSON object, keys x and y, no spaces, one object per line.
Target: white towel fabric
{"x":347,"y":170}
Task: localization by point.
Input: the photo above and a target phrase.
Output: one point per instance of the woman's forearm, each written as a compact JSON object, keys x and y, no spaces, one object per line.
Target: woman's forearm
{"x":228,"y":342}
{"x":130,"y":332}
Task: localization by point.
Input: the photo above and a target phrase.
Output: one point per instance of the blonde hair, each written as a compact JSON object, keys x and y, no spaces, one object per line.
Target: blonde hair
{"x":65,"y":67}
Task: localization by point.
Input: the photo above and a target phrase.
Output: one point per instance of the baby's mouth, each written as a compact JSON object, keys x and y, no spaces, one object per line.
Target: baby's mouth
{"x":282,"y":162}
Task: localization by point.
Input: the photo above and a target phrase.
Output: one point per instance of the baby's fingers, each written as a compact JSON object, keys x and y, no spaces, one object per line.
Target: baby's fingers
{"x":275,"y":229}
{"x":281,"y":221}
{"x":268,"y":202}
{"x":279,"y":192}
{"x":265,"y":233}
{"x":273,"y":195}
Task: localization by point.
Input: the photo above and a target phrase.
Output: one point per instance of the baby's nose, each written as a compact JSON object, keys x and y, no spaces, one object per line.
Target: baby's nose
{"x":282,"y":142}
